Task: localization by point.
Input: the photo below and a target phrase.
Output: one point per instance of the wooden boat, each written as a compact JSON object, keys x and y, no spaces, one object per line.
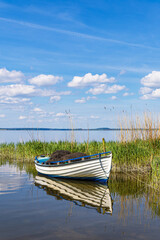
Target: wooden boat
{"x":83,"y":193}
{"x":95,"y":167}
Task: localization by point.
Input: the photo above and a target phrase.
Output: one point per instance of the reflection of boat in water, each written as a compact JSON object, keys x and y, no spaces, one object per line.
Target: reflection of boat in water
{"x":83,"y":193}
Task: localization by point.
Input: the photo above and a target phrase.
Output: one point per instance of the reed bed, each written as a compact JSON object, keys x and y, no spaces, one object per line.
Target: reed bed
{"x":142,"y":135}
{"x":146,"y":127}
{"x":137,"y":152}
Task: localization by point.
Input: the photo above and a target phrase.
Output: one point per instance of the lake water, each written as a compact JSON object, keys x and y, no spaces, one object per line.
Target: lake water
{"x":35,"y":207}
{"x":7,"y":136}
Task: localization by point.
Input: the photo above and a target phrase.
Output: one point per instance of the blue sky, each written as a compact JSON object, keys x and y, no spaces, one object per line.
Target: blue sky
{"x":92,"y":61}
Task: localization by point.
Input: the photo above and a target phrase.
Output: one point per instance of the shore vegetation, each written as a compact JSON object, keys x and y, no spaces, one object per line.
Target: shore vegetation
{"x":137,"y":148}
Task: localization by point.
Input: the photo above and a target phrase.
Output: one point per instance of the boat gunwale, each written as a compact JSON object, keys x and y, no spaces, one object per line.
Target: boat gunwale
{"x":54,"y":164}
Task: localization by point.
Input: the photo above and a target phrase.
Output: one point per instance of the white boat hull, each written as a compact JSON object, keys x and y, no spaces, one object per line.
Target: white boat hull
{"x":91,"y":169}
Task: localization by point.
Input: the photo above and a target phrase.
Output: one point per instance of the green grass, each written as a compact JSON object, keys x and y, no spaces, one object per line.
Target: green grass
{"x":137,"y":152}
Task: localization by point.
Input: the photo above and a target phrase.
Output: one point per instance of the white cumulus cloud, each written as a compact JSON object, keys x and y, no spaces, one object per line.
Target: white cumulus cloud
{"x":152,"y":79}
{"x":98,"y":89}
{"x":45,"y":80}
{"x":38,"y":110}
{"x":151,"y":89}
{"x":145,"y":90}
{"x":60,"y":114}
{"x":89,"y":80}
{"x":55,"y":98}
{"x":153,"y":95}
{"x":2,"y":115}
{"x":50,"y":93}
{"x":104,"y":89}
{"x":10,"y":76}
{"x":113,"y":97}
{"x":91,"y":97}
{"x":14,"y":100}
{"x":156,"y":93}
{"x":127,"y":94}
{"x":114,"y":88}
{"x":22,"y":117}
{"x":82,"y":100}
{"x":17,"y":90}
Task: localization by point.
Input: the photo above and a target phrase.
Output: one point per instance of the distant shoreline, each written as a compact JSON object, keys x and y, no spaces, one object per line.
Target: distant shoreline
{"x":75,"y":129}
{"x":59,"y":129}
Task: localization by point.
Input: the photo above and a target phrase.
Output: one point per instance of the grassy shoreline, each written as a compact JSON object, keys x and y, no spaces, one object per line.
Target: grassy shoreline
{"x":139,"y":156}
{"x":140,"y":153}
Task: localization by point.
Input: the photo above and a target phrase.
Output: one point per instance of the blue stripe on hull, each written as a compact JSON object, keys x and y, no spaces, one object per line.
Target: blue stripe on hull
{"x":77,"y":178}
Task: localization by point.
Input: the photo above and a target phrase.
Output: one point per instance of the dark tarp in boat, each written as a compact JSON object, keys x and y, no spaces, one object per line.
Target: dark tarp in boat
{"x":61,"y":155}
{"x":55,"y":156}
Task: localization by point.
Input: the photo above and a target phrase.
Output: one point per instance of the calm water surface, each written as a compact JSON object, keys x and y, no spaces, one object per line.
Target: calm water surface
{"x":80,"y":136}
{"x":35,"y":207}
